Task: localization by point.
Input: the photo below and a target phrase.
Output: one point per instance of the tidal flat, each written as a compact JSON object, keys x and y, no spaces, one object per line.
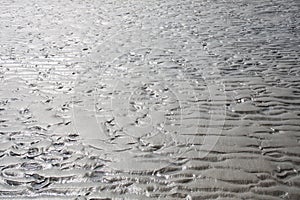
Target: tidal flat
{"x":111,"y":99}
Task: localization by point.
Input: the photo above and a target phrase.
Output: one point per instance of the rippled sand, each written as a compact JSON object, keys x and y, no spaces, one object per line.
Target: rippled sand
{"x":149,"y":99}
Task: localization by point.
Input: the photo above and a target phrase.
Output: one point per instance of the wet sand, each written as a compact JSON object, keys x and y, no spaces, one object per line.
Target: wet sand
{"x":149,"y":99}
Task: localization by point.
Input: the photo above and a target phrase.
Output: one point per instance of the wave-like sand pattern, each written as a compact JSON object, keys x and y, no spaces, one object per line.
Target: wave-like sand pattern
{"x":149,"y":100}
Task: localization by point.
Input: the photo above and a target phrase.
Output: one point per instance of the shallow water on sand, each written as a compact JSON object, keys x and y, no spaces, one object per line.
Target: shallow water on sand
{"x":152,"y":99}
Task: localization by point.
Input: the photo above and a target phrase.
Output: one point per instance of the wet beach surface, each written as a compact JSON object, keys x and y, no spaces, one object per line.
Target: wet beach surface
{"x":149,"y":99}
